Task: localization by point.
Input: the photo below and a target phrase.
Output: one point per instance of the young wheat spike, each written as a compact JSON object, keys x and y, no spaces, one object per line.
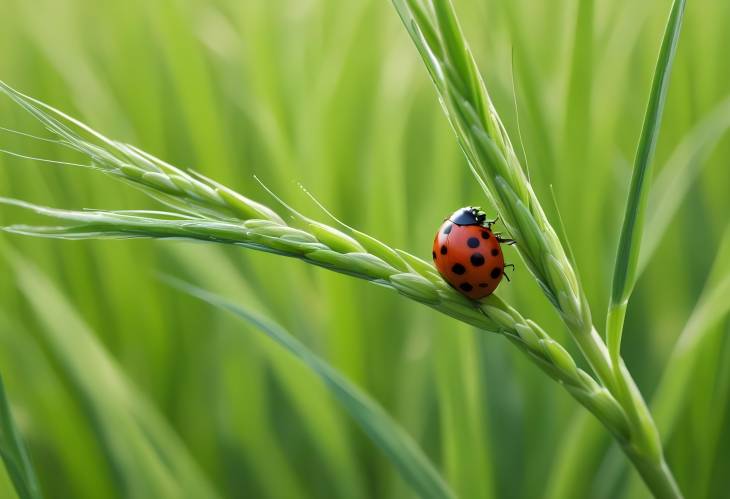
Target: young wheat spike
{"x":437,"y":35}
{"x":211,"y":212}
{"x":492,"y":315}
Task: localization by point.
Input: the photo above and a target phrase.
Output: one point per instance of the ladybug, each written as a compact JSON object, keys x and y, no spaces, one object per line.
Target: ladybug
{"x":467,"y":253}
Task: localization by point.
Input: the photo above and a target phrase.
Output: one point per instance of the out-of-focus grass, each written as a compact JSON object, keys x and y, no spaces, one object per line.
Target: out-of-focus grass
{"x":15,"y":454}
{"x":331,"y":94}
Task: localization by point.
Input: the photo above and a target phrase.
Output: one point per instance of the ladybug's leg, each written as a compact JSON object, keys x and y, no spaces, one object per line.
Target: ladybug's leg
{"x":505,"y":273}
{"x":503,"y":240}
{"x":492,"y":222}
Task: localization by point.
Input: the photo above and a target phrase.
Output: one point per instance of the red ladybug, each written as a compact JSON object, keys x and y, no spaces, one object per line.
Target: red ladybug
{"x":468,"y":254}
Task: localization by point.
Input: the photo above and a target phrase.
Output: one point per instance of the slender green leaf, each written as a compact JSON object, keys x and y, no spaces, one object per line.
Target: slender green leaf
{"x":313,"y":406}
{"x":404,"y":453}
{"x":624,"y":274}
{"x":14,"y":453}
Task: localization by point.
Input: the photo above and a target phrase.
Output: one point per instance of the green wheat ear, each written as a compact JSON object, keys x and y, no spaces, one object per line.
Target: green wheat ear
{"x":201,"y":215}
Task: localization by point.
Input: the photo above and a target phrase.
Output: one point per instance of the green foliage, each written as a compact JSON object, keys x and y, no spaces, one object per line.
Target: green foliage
{"x":632,"y":232}
{"x":15,"y":454}
{"x":393,"y":441}
{"x":147,"y":457}
{"x":331,"y":94}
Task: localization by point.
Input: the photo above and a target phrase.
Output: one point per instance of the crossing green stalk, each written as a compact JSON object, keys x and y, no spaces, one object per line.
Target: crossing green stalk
{"x":208,"y":211}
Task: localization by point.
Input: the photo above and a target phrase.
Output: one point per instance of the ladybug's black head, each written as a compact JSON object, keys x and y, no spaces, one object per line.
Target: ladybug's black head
{"x":468,"y":216}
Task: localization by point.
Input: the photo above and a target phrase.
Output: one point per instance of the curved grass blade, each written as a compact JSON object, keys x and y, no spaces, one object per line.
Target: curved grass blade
{"x":316,"y":413}
{"x":411,"y":462}
{"x":627,"y":257}
{"x":147,"y":456}
{"x":14,"y":453}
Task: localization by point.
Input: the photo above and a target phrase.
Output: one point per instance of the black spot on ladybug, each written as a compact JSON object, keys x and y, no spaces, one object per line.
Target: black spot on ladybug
{"x":477,"y":260}
{"x":495,"y":252}
{"x":447,"y":229}
{"x":472,"y":242}
{"x":458,"y":269}
{"x":485,"y":235}
{"x":465,"y":286}
{"x":483,"y":285}
{"x":443,"y":249}
{"x":496,"y":272}
{"x":434,"y":254}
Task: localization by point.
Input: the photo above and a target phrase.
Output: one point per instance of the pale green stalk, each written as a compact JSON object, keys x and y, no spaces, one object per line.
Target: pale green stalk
{"x":330,"y":248}
{"x":327,"y":247}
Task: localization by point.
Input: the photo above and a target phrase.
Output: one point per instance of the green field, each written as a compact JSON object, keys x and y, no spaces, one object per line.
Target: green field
{"x":124,"y":385}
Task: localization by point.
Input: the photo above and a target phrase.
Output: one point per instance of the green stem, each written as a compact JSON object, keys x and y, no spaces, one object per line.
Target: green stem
{"x":595,"y":352}
{"x":657,"y":477}
{"x":644,"y":447}
{"x":627,"y":393}
{"x":645,"y":435}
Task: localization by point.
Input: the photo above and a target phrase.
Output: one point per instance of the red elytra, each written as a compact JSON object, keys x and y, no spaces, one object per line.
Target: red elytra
{"x":467,"y":253}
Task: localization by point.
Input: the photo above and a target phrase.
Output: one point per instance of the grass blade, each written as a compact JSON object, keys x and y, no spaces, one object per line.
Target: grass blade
{"x":403,"y":452}
{"x":148,"y":457}
{"x":15,"y":455}
{"x":312,"y":405}
{"x":627,"y":258}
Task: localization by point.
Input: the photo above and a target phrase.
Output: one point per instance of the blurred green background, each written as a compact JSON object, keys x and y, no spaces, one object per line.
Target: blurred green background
{"x":332,"y":94}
